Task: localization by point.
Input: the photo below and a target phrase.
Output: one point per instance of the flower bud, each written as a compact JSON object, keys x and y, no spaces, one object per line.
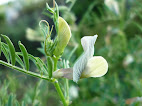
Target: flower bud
{"x":63,"y":37}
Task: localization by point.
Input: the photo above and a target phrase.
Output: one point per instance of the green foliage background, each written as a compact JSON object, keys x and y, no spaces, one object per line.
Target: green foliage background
{"x":119,"y":42}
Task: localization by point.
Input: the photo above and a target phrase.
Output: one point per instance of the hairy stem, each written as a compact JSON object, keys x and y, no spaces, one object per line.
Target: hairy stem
{"x":25,"y":71}
{"x":55,"y":59}
{"x":60,"y":93}
{"x":65,"y":65}
{"x":56,"y":84}
{"x":67,"y":90}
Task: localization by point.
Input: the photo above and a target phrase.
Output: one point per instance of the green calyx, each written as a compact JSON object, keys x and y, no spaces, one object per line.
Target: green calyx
{"x":57,"y":46}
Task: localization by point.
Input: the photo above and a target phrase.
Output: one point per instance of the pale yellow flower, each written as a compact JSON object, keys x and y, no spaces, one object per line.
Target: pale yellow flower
{"x":87,"y":65}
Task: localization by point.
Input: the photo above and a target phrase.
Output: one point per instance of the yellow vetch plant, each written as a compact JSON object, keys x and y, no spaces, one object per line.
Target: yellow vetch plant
{"x":86,"y":66}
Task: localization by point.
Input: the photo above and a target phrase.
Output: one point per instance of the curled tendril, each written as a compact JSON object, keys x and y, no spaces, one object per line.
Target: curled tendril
{"x":45,"y":26}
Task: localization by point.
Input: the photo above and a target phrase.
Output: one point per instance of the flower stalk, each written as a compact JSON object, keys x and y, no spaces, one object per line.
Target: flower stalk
{"x":60,"y":93}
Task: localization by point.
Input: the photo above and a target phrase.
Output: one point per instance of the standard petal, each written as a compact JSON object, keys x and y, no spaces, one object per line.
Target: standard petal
{"x":96,"y":66}
{"x":87,"y":43}
{"x":88,"y":46}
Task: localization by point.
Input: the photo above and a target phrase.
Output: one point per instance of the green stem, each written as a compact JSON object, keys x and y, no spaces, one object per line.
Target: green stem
{"x":65,"y":65}
{"x":67,"y":91}
{"x":24,"y":71}
{"x":56,"y":84}
{"x":55,"y":59}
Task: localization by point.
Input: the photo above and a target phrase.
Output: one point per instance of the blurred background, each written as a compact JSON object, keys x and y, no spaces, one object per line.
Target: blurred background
{"x":118,"y":24}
